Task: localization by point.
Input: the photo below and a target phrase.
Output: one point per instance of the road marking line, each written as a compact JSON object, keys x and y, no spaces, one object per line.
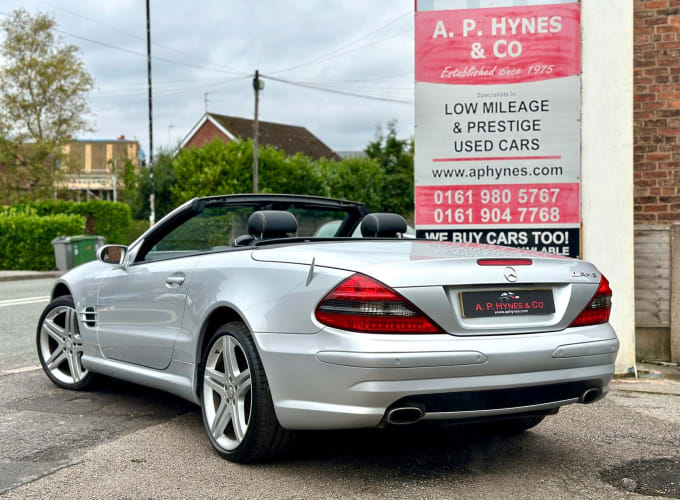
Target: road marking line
{"x":25,"y":300}
{"x":20,"y":370}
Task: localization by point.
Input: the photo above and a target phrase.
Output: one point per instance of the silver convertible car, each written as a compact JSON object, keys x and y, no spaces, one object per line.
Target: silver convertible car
{"x":231,"y":303}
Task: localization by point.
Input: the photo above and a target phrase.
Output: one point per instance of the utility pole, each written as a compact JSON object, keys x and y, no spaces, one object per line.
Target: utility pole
{"x":205,"y":101}
{"x":152,"y":212}
{"x":257,"y":86}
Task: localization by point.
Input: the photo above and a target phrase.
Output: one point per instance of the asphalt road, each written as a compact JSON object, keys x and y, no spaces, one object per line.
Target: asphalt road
{"x":21,"y":303}
{"x":124,"y":441}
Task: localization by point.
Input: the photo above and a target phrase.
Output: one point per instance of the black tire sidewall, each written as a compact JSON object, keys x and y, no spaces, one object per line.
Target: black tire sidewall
{"x":65,"y":300}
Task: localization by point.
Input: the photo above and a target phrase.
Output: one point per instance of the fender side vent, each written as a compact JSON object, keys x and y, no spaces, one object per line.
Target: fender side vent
{"x":89,"y":316}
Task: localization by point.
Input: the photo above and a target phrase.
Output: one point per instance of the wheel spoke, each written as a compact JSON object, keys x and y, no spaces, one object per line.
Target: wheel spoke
{"x":56,"y":358}
{"x":54,"y":331}
{"x":76,"y":369}
{"x":236,"y":421}
{"x":218,"y":377}
{"x":243,"y":383}
{"x":229,"y":354}
{"x":215,"y":380}
{"x":222,"y":419}
{"x":71,"y":326}
{"x":69,"y":358}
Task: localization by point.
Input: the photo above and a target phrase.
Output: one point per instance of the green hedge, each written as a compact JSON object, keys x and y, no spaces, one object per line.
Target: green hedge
{"x":103,"y":218}
{"x":25,"y":238}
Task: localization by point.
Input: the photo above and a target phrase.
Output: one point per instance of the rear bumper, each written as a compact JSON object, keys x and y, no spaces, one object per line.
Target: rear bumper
{"x":336,"y":379}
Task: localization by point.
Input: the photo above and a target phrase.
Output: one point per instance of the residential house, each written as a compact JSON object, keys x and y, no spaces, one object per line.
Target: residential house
{"x":96,"y":166}
{"x":289,"y":138}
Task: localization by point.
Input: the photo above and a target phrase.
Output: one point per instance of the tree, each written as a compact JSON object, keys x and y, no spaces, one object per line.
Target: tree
{"x":43,"y":102}
{"x":226,"y":168}
{"x":216,"y":168}
{"x":355,"y":179}
{"x":395,"y":157}
{"x":164,"y":179}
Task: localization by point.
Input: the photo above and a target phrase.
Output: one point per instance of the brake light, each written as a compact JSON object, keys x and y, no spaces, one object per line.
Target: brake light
{"x":362,"y":304}
{"x":598,"y":309}
{"x":504,"y":262}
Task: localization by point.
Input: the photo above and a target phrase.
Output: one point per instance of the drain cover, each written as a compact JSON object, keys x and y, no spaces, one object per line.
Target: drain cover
{"x":655,"y":477}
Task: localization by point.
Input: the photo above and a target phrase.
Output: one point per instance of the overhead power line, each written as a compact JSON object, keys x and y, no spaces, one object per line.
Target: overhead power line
{"x":155,"y":58}
{"x":326,"y":55}
{"x":134,"y":52}
{"x":168,"y":93}
{"x":136,"y":36}
{"x":335,"y":91}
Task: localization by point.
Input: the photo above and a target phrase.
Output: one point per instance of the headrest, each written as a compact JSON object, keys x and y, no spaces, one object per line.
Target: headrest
{"x":382,"y":225}
{"x":268,"y":224}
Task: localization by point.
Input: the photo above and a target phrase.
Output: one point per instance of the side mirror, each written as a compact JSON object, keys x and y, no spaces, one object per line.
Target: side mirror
{"x":112,"y":254}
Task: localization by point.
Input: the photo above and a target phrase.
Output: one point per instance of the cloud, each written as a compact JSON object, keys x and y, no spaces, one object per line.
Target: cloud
{"x":217,"y":41}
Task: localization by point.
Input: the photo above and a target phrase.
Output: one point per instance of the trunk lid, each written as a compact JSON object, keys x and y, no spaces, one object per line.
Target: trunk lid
{"x":436,"y":276}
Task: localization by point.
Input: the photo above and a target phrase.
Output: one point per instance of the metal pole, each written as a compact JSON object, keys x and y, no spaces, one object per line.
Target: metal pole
{"x":152,"y":212}
{"x":205,"y":101}
{"x":256,"y":132}
{"x":115,"y":179}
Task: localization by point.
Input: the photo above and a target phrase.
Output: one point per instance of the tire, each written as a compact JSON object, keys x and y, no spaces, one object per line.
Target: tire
{"x":226,"y":390}
{"x":516,"y":425}
{"x":60,"y":346}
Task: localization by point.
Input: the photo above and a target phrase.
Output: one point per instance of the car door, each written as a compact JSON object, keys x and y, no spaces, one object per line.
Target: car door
{"x":141,"y":303}
{"x":141,"y":308}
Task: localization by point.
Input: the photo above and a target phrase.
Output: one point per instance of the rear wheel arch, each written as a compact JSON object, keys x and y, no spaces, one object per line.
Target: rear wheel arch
{"x":220,"y":316}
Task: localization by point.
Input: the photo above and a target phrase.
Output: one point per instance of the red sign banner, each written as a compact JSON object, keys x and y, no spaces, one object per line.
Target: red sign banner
{"x":498,"y":45}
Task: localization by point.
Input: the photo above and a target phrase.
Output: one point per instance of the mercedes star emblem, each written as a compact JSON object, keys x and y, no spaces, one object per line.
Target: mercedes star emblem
{"x":510,"y":274}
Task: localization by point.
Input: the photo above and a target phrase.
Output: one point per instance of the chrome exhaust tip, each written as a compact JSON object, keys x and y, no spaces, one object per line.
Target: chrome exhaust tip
{"x":404,"y":415}
{"x":590,"y":396}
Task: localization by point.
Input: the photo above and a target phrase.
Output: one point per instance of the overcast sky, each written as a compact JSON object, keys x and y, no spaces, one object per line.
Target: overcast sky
{"x":357,"y":46}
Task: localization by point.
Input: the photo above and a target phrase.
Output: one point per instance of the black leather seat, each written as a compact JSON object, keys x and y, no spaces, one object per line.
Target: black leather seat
{"x":383,"y":225}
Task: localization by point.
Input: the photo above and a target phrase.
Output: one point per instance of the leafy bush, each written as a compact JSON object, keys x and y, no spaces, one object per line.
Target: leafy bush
{"x":104,"y":218}
{"x":25,"y":238}
{"x":137,"y":228}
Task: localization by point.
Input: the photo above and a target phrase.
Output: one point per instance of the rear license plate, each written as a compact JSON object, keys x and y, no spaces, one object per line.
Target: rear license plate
{"x":506,"y":303}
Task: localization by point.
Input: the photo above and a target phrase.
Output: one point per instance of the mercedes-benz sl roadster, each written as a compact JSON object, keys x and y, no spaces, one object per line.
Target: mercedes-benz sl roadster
{"x":233,"y":304}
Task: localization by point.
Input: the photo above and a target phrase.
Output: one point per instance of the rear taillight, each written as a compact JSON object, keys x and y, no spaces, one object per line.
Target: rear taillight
{"x":362,"y":304}
{"x":598,"y":309}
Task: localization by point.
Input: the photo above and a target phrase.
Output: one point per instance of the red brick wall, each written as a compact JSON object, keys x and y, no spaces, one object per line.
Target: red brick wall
{"x":205,"y":134}
{"x":657,"y":111}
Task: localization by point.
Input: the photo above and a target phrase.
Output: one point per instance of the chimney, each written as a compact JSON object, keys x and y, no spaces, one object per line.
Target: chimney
{"x":121,"y":138}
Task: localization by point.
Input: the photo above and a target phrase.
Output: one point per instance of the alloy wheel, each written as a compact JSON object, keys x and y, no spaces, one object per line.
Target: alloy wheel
{"x":61,"y":346}
{"x":227,"y":392}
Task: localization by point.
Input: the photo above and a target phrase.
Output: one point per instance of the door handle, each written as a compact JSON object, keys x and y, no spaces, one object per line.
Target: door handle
{"x":174,"y":280}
